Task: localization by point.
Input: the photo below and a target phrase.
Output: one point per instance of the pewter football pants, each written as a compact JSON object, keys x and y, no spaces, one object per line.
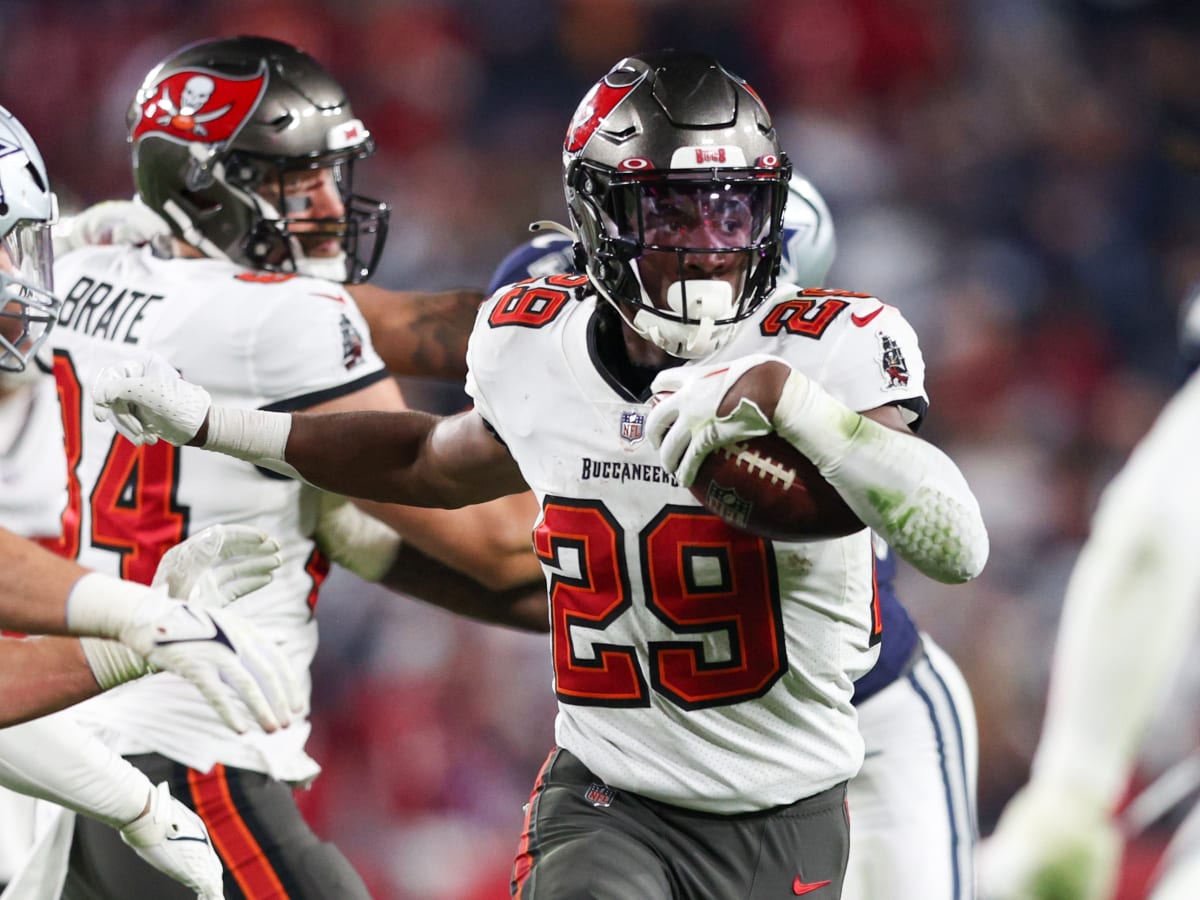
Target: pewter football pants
{"x":268,"y":850}
{"x":586,"y":841}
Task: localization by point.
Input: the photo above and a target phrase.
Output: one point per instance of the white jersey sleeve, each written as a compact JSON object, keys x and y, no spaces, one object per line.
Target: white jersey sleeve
{"x":859,"y":349}
{"x":1131,"y":610}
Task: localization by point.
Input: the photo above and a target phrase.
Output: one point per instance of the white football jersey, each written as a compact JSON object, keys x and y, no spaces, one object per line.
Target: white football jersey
{"x":694,"y":663}
{"x":33,"y":475}
{"x":256,"y":341}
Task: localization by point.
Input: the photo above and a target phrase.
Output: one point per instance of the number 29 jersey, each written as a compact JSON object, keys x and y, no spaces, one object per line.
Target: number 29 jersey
{"x":694,"y":663}
{"x":254,"y":341}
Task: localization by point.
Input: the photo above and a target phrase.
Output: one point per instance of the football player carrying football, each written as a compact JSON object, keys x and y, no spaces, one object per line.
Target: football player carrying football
{"x":913,"y":823}
{"x":705,"y":675}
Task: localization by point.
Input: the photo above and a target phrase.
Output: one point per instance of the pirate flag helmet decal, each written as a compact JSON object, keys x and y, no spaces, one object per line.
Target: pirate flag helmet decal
{"x":218,"y":127}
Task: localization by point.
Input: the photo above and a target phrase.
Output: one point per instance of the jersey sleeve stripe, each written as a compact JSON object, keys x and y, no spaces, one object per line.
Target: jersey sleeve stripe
{"x":306,"y":401}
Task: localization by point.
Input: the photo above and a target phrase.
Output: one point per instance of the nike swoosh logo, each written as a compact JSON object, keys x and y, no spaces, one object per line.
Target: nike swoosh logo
{"x":198,"y":840}
{"x":218,"y":635}
{"x":799,"y":887}
{"x":864,"y":321}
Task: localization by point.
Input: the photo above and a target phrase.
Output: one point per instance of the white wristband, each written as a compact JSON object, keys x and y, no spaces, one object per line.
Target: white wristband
{"x":249,"y":434}
{"x":354,"y":539}
{"x":102,"y":606}
{"x":112,"y":663}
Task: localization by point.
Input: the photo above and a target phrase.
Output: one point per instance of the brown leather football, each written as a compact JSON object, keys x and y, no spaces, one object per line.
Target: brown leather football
{"x":765,"y":485}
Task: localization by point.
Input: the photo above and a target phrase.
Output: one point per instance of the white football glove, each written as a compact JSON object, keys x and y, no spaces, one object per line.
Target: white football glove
{"x":1050,"y":844}
{"x":110,"y":222}
{"x":145,"y":403}
{"x":223,"y":655}
{"x":684,"y":424}
{"x":172,"y":838}
{"x":217,"y":651}
{"x":214,"y":566}
{"x":218,"y":565}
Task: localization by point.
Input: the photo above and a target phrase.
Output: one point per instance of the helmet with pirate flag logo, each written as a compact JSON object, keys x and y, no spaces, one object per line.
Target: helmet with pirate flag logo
{"x":28,"y":307}
{"x":676,"y":186}
{"x":221,"y":131}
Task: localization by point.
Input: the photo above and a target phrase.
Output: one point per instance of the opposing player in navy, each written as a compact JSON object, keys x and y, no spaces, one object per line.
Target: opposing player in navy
{"x":705,"y":676}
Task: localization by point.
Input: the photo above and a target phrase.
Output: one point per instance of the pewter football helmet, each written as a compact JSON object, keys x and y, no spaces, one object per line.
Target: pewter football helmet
{"x":219,"y":124}
{"x":675,"y":138}
{"x":28,"y":307}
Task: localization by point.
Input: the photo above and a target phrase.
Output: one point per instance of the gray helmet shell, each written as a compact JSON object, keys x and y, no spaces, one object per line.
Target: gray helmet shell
{"x":659,"y":120}
{"x":212,"y":122}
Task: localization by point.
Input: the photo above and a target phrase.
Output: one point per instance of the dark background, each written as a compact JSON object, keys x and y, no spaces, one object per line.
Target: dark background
{"x":1015,"y":175}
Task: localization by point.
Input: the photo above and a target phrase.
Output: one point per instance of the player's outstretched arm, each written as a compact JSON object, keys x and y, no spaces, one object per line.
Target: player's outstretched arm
{"x":222,"y":655}
{"x":374,"y":551}
{"x":904,"y":488}
{"x":56,"y":760}
{"x":396,"y":457}
{"x":1129,"y":618}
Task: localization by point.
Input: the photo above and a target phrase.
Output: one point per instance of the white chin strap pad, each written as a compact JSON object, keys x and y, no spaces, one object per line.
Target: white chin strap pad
{"x":707,"y":302}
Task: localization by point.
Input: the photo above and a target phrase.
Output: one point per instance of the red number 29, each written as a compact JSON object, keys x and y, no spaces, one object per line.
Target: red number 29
{"x":700,"y":578}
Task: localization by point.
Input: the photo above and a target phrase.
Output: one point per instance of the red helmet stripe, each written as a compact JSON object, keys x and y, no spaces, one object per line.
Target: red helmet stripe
{"x":599,"y":102}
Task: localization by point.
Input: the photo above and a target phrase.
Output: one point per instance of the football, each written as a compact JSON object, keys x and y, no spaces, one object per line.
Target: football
{"x":765,"y":485}
{"x":769,"y":488}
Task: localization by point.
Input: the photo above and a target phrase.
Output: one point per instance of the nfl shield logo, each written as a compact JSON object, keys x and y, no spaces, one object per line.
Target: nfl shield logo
{"x":728,"y":504}
{"x":632,"y":426}
{"x":600,"y":794}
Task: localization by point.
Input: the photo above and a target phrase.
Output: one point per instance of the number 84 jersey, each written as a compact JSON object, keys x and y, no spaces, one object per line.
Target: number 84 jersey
{"x":694,"y":663}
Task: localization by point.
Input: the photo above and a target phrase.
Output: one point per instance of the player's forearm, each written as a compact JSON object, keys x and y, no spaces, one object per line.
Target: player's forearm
{"x":904,"y":488}
{"x":489,"y":542}
{"x":524,"y":607}
{"x":41,"y":676}
{"x":418,"y":333}
{"x":57,"y":760}
{"x":368,"y":454}
{"x":34,"y":590}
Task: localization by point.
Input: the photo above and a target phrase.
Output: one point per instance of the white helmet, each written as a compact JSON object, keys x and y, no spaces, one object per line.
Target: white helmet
{"x":28,"y":307}
{"x":809,"y":243}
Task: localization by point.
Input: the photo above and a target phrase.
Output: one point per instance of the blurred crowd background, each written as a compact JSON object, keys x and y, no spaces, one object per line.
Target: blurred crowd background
{"x":1016,"y":175}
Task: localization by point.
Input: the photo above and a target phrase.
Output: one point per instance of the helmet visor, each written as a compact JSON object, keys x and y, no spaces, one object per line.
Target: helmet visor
{"x":28,"y":307}
{"x":680,"y":229}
